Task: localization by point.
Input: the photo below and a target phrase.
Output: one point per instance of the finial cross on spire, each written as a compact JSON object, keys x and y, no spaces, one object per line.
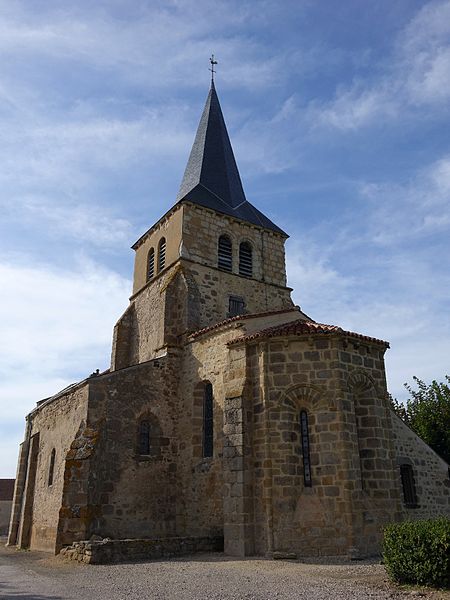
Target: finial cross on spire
{"x":213,"y":62}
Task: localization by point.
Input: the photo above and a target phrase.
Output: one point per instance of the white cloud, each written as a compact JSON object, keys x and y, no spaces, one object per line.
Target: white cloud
{"x":59,"y":326}
{"x":161,"y":43}
{"x":414,"y":76}
{"x":81,"y":222}
{"x":416,"y":209}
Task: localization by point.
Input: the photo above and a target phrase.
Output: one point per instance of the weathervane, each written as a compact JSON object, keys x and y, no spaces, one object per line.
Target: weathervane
{"x":213,"y":62}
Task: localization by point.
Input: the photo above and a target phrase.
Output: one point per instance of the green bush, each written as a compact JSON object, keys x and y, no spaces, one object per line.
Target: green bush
{"x":418,"y":552}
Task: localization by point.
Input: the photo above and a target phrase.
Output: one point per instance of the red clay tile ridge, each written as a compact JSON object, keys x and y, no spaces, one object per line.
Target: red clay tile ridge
{"x":301,"y":327}
{"x":231,"y":320}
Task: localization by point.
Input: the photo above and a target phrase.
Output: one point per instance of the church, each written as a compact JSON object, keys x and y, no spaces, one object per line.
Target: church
{"x":228,"y":417}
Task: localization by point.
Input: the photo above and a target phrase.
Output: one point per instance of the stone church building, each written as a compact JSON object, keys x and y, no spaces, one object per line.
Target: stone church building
{"x":226,"y":412}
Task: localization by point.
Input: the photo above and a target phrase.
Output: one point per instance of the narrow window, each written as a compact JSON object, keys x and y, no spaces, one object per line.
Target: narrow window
{"x":51,"y":468}
{"x":161,"y":254}
{"x":305,"y":448}
{"x":245,"y":260}
{"x":224,"y":258}
{"x":208,"y":422}
{"x":151,"y":264}
{"x":236,"y":306}
{"x":144,"y":437}
{"x":409,"y":486}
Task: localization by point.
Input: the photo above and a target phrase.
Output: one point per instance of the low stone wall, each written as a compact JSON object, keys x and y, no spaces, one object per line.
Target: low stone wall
{"x":96,"y":552}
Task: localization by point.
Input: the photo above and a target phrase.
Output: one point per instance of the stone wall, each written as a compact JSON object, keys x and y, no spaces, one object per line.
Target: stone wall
{"x":353,"y":488}
{"x":5,"y":516}
{"x":55,"y":423}
{"x":110,"y":551}
{"x":204,"y":360}
{"x":431,"y":473}
{"x":132,"y":495}
{"x":183,"y":299}
{"x":203,"y":227}
{"x":215,"y":288}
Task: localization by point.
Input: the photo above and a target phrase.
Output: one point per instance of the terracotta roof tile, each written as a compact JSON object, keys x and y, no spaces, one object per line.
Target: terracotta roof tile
{"x":301,"y":327}
{"x":230,"y":320}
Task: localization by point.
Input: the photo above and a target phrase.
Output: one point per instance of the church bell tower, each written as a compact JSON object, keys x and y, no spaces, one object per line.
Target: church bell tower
{"x":212,"y":256}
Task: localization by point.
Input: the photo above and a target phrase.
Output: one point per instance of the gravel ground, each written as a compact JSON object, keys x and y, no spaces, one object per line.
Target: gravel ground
{"x":36,"y":576}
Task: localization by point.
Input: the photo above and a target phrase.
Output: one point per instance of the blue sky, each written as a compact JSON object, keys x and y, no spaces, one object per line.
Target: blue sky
{"x":338,"y":113}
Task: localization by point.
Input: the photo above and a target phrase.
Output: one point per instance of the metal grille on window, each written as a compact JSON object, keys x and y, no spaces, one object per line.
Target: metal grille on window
{"x":225,"y":254}
{"x":144,"y":438}
{"x":51,"y":467}
{"x":409,"y":486}
{"x":208,"y":421}
{"x":305,"y":449}
{"x":245,"y":259}
{"x":162,"y":254}
{"x":151,"y":264}
{"x":236,"y":306}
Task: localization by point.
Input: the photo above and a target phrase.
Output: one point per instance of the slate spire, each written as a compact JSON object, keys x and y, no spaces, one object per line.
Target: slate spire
{"x":211,"y":178}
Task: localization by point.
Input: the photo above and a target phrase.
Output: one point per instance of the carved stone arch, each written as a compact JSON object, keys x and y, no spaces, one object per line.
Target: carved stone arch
{"x":229,"y":233}
{"x":359,"y":381}
{"x":306,"y":396}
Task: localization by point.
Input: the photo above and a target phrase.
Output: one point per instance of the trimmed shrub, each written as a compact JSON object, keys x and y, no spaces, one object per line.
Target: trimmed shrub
{"x":418,"y":552}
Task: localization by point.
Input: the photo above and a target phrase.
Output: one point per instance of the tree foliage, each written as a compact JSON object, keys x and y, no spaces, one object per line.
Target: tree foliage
{"x":427,"y":412}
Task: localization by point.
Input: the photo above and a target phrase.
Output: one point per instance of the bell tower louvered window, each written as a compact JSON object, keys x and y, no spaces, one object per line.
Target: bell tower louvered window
{"x":151,"y":264}
{"x":245,"y":260}
{"x":208,"y":421}
{"x":225,"y":254}
{"x":161,"y":254}
{"x":304,"y":429}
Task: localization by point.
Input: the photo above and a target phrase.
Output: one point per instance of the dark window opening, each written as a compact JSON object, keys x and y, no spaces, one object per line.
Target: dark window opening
{"x":409,"y":486}
{"x":225,"y":254}
{"x":51,"y":468}
{"x":208,"y":421}
{"x":236,"y":306}
{"x":245,"y":260}
{"x":144,"y":438}
{"x":161,"y":254}
{"x":305,"y":449}
{"x":151,"y":264}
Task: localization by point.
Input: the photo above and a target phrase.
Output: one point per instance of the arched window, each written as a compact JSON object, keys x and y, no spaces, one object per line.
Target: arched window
{"x":51,"y":467}
{"x":245,"y":259}
{"x":304,"y":429}
{"x":225,"y":254}
{"x":151,"y":264}
{"x":150,"y":438}
{"x":409,"y":486}
{"x":208,"y":421}
{"x":161,"y":254}
{"x":144,"y":437}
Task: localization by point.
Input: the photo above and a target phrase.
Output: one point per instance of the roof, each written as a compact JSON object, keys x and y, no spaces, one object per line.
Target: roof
{"x":6,"y":489}
{"x":211,"y":178}
{"x":302,"y":327}
{"x":236,"y":318}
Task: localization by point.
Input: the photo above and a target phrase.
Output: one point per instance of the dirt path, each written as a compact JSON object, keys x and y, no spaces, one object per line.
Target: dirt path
{"x":37,"y":576}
